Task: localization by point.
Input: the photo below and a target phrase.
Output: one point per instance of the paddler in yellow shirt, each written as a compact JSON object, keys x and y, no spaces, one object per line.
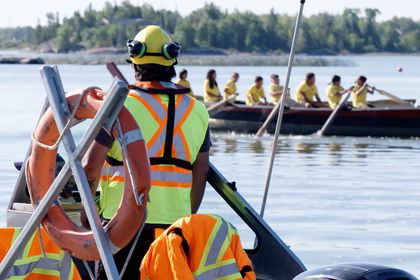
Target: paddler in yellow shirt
{"x":275,"y":89}
{"x":360,"y":91}
{"x":211,"y":92}
{"x":230,"y":87}
{"x":307,"y":90}
{"x":183,"y":75}
{"x":335,"y":91}
{"x":256,"y":93}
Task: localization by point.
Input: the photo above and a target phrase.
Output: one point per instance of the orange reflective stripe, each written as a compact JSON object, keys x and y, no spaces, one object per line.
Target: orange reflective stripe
{"x":171,"y":184}
{"x":161,"y":122}
{"x":112,"y":178}
{"x":145,"y":104}
{"x":178,"y":129}
{"x":169,"y":169}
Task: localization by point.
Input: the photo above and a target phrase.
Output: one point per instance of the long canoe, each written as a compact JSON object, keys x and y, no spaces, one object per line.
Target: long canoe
{"x":383,"y":119}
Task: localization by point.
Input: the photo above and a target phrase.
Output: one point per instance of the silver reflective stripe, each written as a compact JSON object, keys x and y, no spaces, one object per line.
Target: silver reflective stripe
{"x":157,"y":106}
{"x":217,"y":243}
{"x":182,"y":108}
{"x":179,"y":147}
{"x":42,"y":263}
{"x":132,"y":136}
{"x":218,"y":272}
{"x":109,"y":171}
{"x":159,"y":143}
{"x":172,"y":176}
{"x":180,"y":111}
{"x":65,"y":266}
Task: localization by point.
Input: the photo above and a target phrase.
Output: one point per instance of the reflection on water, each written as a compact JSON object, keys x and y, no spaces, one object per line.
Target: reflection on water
{"x":257,"y":146}
{"x":334,"y":148}
{"x":305,"y":148}
{"x":334,"y":197}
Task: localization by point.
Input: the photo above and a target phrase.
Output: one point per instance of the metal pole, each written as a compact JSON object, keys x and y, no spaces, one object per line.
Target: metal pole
{"x":282,"y":103}
{"x":106,"y":114}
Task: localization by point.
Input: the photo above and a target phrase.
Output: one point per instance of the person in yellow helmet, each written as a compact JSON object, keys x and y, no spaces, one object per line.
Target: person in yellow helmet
{"x":210,"y":88}
{"x":255,"y":93}
{"x":360,"y":91}
{"x":307,"y":90}
{"x":175,"y":128}
{"x":183,"y":75}
{"x":230,"y":87}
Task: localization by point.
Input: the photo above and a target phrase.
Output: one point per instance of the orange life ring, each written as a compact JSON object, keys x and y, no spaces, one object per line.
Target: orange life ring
{"x":41,"y":166}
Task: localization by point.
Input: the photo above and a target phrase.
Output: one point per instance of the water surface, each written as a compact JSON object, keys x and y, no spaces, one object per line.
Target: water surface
{"x":332,"y":199}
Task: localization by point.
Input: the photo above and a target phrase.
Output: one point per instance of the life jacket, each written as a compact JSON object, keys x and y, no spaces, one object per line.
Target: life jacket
{"x":200,"y":247}
{"x":33,"y":264}
{"x":174,"y":126}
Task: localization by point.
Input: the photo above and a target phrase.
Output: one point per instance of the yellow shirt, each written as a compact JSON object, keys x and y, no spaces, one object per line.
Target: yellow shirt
{"x":186,"y":83}
{"x":214,"y":91}
{"x":333,"y":99}
{"x":310,"y":92}
{"x":254,"y":94}
{"x":275,"y":88}
{"x":230,"y":89}
{"x":359,"y":101}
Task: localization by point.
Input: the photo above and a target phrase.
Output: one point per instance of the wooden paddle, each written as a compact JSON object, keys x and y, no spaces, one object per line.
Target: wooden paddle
{"x":115,"y":71}
{"x":221,"y":103}
{"x":333,"y":115}
{"x":393,"y":97}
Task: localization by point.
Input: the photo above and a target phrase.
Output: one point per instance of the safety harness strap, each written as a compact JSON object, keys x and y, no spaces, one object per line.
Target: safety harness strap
{"x":167,"y":91}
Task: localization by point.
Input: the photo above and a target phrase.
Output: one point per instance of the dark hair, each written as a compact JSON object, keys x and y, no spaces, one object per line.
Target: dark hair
{"x":236,"y":74}
{"x":182,"y":73}
{"x":154,"y":72}
{"x":258,"y":78}
{"x":273,"y":76}
{"x":309,"y":76}
{"x":210,"y":74}
{"x":362,"y":78}
{"x":335,"y":78}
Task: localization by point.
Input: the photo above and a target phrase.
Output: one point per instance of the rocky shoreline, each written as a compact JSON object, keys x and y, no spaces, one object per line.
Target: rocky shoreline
{"x":21,"y":60}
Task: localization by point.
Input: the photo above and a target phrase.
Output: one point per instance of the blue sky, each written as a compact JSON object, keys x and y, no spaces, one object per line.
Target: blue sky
{"x":28,"y":12}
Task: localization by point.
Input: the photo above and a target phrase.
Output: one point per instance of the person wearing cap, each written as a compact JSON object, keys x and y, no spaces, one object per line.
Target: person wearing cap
{"x":335,"y":91}
{"x":175,"y":128}
{"x":359,"y":93}
{"x":275,"y":89}
{"x":255,"y":93}
{"x":230,"y":87}
{"x":307,"y":90}
{"x":183,"y":75}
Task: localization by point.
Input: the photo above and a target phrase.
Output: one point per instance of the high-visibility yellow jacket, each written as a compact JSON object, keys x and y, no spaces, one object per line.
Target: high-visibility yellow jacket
{"x":200,"y":247}
{"x":174,"y":126}
{"x":33,"y":264}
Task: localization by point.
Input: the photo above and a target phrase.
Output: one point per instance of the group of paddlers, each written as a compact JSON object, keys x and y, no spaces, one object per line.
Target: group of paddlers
{"x":306,"y":93}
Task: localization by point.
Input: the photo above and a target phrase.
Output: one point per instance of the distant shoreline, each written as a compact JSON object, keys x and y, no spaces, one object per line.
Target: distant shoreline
{"x":236,"y":59}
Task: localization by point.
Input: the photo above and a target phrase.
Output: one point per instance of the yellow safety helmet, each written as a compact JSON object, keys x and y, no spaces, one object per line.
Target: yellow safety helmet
{"x":153,"y":45}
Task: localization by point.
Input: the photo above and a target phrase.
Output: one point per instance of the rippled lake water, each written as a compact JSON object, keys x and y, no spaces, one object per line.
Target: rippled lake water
{"x":332,"y":199}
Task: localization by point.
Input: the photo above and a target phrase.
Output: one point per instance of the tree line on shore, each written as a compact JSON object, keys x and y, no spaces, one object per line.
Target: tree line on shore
{"x":352,"y":31}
